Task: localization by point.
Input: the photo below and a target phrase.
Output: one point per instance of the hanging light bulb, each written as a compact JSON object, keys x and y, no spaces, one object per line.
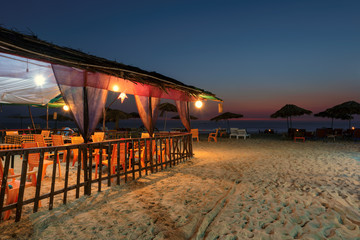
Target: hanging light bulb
{"x":115,"y":88}
{"x":39,"y":80}
{"x":122,"y":96}
{"x":66,"y":108}
{"x":198,"y":104}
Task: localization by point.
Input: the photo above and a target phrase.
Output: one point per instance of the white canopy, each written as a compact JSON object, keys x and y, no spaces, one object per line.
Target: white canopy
{"x":26,"y":81}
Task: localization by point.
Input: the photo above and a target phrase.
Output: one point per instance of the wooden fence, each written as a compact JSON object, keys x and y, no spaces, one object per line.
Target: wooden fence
{"x":165,"y":151}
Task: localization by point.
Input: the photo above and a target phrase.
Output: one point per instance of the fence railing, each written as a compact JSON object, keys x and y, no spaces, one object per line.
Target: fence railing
{"x":126,"y":159}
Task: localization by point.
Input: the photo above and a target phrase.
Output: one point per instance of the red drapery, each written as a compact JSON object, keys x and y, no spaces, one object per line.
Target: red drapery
{"x":85,"y":102}
{"x":183,"y":110}
{"x":148,"y":111}
{"x":107,"y":82}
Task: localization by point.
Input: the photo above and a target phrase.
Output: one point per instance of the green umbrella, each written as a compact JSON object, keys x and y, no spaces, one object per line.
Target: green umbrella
{"x":288,"y":111}
{"x":56,"y":102}
{"x":165,"y":108}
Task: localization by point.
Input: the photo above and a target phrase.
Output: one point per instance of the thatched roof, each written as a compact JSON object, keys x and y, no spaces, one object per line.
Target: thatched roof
{"x":226,"y":116}
{"x":12,"y":42}
{"x":290,"y":110}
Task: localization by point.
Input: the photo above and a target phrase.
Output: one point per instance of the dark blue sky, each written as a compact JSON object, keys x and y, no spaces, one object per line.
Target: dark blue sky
{"x":255,"y":55}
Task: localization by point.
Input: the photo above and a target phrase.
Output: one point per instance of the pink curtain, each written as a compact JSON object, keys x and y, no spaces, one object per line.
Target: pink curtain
{"x":85,"y":102}
{"x":183,"y":110}
{"x":148,"y":111}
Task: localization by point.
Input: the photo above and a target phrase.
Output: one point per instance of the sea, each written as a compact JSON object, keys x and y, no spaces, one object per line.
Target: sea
{"x":252,"y":126}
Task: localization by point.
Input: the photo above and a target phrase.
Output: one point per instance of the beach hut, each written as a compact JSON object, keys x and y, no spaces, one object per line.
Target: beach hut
{"x":33,"y":71}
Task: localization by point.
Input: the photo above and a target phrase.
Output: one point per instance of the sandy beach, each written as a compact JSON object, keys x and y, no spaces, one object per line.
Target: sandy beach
{"x":259,"y":188}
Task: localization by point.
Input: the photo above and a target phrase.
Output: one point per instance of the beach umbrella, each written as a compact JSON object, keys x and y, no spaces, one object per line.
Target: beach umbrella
{"x":191,"y":117}
{"x":134,"y":115}
{"x":347,"y":108}
{"x":59,"y":117}
{"x":114,"y":115}
{"x":329,"y":113}
{"x":288,"y":111}
{"x":165,"y":108}
{"x":56,"y":102}
{"x":226,"y":116}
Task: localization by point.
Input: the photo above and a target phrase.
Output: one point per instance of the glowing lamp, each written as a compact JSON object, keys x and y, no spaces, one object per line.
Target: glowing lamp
{"x":39,"y":80}
{"x":115,"y":88}
{"x":198,"y":104}
{"x":353,"y":128}
{"x":122,"y":96}
{"x":66,"y":108}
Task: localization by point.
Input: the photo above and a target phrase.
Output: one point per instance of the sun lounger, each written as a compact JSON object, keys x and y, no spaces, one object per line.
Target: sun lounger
{"x":239,"y":133}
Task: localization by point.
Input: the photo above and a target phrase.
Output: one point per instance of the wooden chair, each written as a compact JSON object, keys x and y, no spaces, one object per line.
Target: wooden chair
{"x":113,"y":159}
{"x":145,"y":135}
{"x":195,"y":133}
{"x":96,"y":138}
{"x":147,"y":152}
{"x":213,"y":136}
{"x":45,"y":133}
{"x":96,"y":153}
{"x":12,"y":187}
{"x":34,"y":159}
{"x":39,"y":139}
{"x":165,"y":149}
{"x":57,"y":140}
{"x":100,"y":134}
{"x":222,"y":132}
{"x":76,"y":140}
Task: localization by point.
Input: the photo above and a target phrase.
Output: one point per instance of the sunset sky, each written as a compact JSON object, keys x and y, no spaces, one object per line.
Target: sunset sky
{"x":255,"y":55}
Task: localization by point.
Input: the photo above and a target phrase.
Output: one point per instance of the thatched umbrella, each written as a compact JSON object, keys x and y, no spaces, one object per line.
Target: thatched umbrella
{"x":134,"y":115}
{"x":347,"y":108}
{"x":59,"y":117}
{"x":329,"y":113}
{"x":288,"y":111}
{"x":165,"y":108}
{"x":191,"y":117}
{"x":226,"y":116}
{"x":114,"y":115}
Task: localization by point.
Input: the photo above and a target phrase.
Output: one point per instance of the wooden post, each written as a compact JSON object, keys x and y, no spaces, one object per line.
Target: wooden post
{"x":67,"y":168}
{"x":4,"y":182}
{"x":51,"y":202}
{"x":118,"y":162}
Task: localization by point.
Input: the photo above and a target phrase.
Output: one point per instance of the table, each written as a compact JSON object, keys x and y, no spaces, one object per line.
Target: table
{"x":8,"y":146}
{"x":18,"y":139}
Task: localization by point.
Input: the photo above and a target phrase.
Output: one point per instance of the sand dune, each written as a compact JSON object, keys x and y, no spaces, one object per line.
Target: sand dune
{"x":233,"y":189}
